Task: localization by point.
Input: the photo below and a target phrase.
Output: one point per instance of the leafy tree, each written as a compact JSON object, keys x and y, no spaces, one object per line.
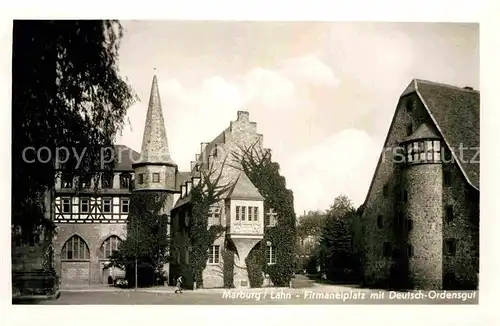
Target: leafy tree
{"x":265,"y":175}
{"x":66,"y":93}
{"x":337,"y":252}
{"x":309,"y":230}
{"x":147,"y":239}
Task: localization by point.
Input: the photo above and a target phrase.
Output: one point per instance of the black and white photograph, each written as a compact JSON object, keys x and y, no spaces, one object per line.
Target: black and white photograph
{"x":240,"y":162}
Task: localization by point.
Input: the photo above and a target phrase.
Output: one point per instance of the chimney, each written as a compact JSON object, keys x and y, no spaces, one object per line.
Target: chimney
{"x":188,"y":186}
{"x":192,"y":165}
{"x":183,"y":190}
{"x":243,"y":116}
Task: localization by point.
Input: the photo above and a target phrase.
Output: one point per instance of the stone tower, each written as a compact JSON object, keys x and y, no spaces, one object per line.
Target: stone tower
{"x":421,"y":203}
{"x":155,"y":171}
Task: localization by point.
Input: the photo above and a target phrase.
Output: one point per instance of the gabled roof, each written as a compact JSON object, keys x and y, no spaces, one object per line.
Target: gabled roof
{"x":244,"y":189}
{"x":455,"y":112}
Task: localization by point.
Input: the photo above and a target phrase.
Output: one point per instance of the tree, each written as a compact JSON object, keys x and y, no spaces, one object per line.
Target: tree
{"x":309,"y":230}
{"x":257,"y":164}
{"x":206,"y":193}
{"x":337,"y":240}
{"x":66,"y":94}
{"x":147,"y":239}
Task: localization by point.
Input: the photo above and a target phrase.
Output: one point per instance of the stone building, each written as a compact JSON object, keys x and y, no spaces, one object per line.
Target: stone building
{"x":421,"y":215}
{"x":91,"y":223}
{"x":241,"y":209}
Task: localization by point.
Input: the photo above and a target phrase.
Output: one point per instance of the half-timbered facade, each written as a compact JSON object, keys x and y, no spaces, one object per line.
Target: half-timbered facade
{"x":91,"y":220}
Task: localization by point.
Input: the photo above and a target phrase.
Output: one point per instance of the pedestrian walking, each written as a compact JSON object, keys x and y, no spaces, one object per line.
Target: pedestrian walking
{"x":178,"y":285}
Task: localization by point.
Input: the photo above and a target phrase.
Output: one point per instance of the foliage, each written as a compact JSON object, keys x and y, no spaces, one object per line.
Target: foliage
{"x":66,"y":92}
{"x":264,"y":174}
{"x":204,"y":195}
{"x":337,"y":250}
{"x":147,"y":239}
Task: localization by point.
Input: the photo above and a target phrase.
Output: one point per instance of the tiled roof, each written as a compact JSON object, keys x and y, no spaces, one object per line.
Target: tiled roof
{"x":244,"y":189}
{"x":180,"y":178}
{"x":455,"y":112}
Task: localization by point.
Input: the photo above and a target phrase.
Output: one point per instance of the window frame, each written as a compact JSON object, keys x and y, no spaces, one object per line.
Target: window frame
{"x":213,"y":255}
{"x":81,"y":244}
{"x":103,"y":204}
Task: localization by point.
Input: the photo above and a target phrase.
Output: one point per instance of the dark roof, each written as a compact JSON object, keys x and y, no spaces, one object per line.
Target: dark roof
{"x":455,"y":112}
{"x":424,"y":131}
{"x":181,"y":178}
{"x":244,"y":189}
{"x":124,"y":157}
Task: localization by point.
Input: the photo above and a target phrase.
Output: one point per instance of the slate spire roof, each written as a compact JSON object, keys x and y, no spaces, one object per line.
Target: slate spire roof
{"x":154,"y":142}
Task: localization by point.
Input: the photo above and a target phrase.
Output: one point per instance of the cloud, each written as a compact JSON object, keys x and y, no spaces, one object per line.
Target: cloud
{"x":310,"y":70}
{"x":343,"y":163}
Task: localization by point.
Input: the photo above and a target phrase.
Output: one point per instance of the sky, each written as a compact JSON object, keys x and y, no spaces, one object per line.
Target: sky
{"x":322,"y":94}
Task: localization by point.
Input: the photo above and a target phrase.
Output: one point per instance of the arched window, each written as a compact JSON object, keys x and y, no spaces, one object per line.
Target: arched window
{"x":109,"y":245}
{"x":75,"y":249}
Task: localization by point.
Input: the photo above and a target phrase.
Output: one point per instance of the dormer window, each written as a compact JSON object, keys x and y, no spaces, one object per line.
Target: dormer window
{"x":84,"y":182}
{"x":67,"y":180}
{"x":125,"y":181}
{"x":107,"y":181}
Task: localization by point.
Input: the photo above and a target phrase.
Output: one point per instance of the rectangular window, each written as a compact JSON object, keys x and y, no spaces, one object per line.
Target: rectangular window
{"x":250,"y":209}
{"x":125,"y":181}
{"x":255,"y":213}
{"x":214,"y":215}
{"x":409,"y":251}
{"x":213,"y":254}
{"x":66,"y":205}
{"x":107,"y":181}
{"x":84,"y":205}
{"x":270,"y":254}
{"x":141,"y":178}
{"x":449,"y":213}
{"x":67,"y":180}
{"x":387,"y":249}
{"x":409,"y":224}
{"x":156,"y":177}
{"x":409,"y":129}
{"x":451,"y":247}
{"x":237,"y":213}
{"x":106,"y":205}
{"x":380,"y":221}
{"x":125,"y":205}
{"x":85,"y":182}
{"x":243,"y":211}
{"x":446,"y":176}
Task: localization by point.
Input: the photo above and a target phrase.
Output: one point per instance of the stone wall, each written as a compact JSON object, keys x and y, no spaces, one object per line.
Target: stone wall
{"x":463,"y":266}
{"x":94,"y":235}
{"x":380,"y":202}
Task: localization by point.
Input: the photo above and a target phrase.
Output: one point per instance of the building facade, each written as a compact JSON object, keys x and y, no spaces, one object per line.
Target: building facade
{"x":240,"y":210}
{"x":91,"y":220}
{"x":421,"y":214}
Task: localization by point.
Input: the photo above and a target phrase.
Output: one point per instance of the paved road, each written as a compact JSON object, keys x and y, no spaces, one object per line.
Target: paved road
{"x":316,"y":295}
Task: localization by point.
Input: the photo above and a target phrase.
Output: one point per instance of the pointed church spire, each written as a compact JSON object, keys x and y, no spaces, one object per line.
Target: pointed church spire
{"x":154,"y":142}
